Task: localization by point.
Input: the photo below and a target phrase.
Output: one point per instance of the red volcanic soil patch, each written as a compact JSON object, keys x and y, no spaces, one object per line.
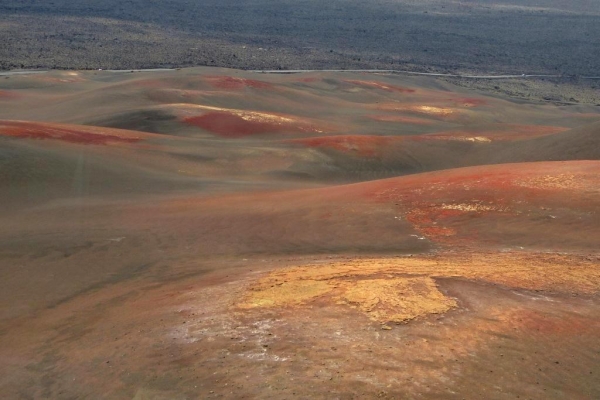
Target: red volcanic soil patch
{"x":362,"y":145}
{"x":232,"y":83}
{"x":231,"y":125}
{"x":446,"y":206}
{"x":7,"y":95}
{"x":377,"y":85}
{"x":65,"y":133}
{"x":544,"y":324}
{"x":400,"y":119}
{"x":309,"y":80}
{"x":146,"y":83}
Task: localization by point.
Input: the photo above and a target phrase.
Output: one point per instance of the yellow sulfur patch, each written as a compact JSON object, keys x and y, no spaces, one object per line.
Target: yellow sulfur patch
{"x":392,"y":299}
{"x":402,"y":289}
{"x":285,"y":293}
{"x":397,"y":299}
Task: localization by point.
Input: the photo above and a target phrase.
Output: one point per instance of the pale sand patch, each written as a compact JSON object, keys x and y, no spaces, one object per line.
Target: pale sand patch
{"x":472,"y":207}
{"x":561,"y":181}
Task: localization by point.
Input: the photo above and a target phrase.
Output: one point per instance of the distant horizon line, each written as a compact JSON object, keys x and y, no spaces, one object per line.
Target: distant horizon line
{"x":300,"y":71}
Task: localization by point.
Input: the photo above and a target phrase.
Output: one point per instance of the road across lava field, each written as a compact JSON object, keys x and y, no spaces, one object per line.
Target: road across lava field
{"x":221,"y":234}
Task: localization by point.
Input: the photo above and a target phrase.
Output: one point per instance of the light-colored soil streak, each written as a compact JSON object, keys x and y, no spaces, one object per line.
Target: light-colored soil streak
{"x":389,"y":290}
{"x":504,"y":132}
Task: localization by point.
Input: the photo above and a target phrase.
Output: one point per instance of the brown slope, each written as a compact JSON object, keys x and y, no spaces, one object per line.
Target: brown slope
{"x":577,"y":144}
{"x":74,"y":245}
{"x":528,"y":204}
{"x":549,"y":205}
{"x":157,"y":156}
{"x":361,"y":157}
{"x":44,"y":161}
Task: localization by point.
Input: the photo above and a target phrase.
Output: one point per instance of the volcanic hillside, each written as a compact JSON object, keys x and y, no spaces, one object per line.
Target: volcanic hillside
{"x":149,"y":220}
{"x":222,"y":162}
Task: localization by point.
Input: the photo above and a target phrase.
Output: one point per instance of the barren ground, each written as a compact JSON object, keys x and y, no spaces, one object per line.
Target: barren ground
{"x":211,"y":233}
